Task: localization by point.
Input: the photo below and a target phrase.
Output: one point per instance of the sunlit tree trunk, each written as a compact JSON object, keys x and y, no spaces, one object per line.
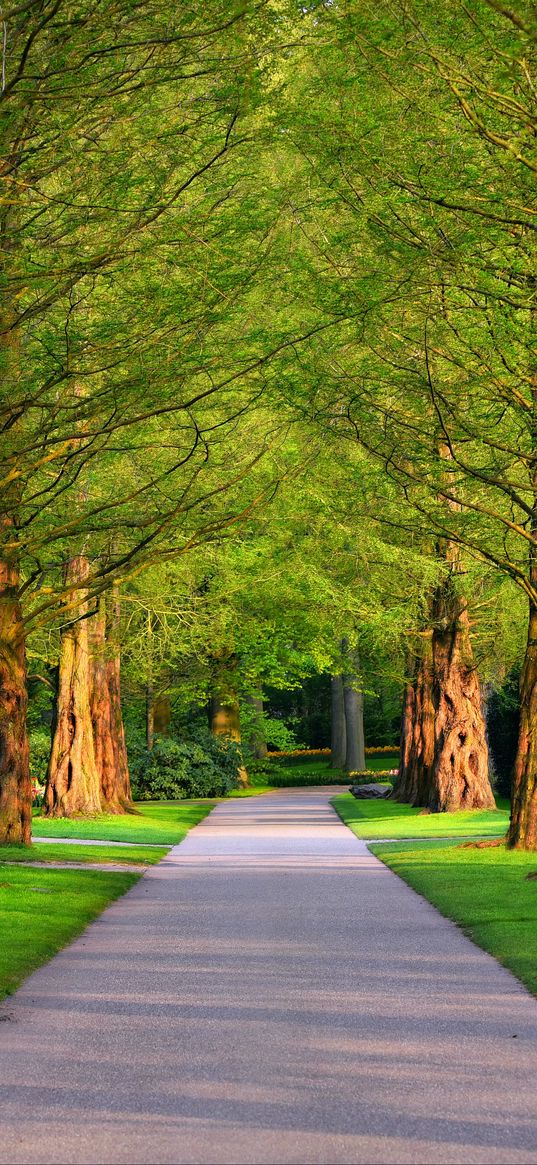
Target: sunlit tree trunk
{"x":15,"y":782}
{"x":107,"y":720}
{"x":339,"y":732}
{"x":461,"y":762}
{"x":444,"y":753}
{"x":73,"y":780}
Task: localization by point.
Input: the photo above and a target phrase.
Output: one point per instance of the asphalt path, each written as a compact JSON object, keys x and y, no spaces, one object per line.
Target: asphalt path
{"x":270,"y":993}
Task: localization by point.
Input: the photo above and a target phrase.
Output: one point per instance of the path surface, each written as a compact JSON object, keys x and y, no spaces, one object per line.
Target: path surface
{"x":270,"y":993}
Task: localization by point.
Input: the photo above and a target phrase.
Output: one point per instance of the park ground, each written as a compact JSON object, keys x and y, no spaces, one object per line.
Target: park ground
{"x":490,"y":892}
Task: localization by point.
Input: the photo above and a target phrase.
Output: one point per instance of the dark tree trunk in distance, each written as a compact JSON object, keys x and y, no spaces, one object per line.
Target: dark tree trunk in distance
{"x":162,"y":714}
{"x":353,"y":701}
{"x":339,"y":732}
{"x":354,"y":723}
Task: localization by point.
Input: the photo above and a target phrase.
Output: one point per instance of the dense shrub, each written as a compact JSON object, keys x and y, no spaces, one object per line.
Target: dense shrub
{"x":203,"y":766}
{"x":39,"y":754}
{"x":260,"y":772}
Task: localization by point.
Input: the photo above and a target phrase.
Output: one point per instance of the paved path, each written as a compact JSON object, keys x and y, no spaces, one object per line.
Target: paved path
{"x":270,"y":993}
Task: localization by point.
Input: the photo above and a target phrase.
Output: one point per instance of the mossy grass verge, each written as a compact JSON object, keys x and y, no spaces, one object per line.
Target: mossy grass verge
{"x":388,"y":819}
{"x":53,"y":852}
{"x":491,"y":893}
{"x":155,"y":822}
{"x":44,"y":910}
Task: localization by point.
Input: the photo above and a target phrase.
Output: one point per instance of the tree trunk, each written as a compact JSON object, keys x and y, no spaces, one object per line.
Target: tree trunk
{"x":353,"y":701}
{"x":354,"y":723}
{"x":257,"y":744}
{"x":522,"y":832}
{"x":73,"y":780}
{"x":461,"y":760}
{"x":106,"y":715}
{"x":444,"y":752}
{"x":162,"y":715}
{"x":339,"y":732}
{"x":416,"y":760}
{"x":15,"y":782}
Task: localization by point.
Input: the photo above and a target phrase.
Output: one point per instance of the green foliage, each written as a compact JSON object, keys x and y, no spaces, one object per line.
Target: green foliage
{"x":174,"y":769}
{"x":260,"y":771}
{"x":39,"y":754}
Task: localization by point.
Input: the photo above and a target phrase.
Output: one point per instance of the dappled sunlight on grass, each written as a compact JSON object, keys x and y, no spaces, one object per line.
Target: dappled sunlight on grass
{"x":155,"y":822}
{"x":388,"y":819}
{"x":52,"y":852}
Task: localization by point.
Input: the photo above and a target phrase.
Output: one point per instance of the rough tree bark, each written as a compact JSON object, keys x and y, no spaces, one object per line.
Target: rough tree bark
{"x":107,"y":720}
{"x":15,"y":782}
{"x":461,"y":760}
{"x":416,"y":761}
{"x":444,"y":753}
{"x":73,"y":779}
{"x":339,"y":731}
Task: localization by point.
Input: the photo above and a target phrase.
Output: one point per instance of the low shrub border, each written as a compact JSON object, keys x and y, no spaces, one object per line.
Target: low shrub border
{"x":301,"y":754}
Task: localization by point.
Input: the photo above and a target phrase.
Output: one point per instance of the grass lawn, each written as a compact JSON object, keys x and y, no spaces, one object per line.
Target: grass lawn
{"x":387,"y":819}
{"x":43,"y":852}
{"x":155,"y":822}
{"x":43,"y":910}
{"x":485,"y":891}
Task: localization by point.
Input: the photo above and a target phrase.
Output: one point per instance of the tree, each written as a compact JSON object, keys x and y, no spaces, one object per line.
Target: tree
{"x":442,"y":285}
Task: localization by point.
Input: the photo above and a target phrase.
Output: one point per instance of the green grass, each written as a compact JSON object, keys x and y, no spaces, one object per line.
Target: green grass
{"x":387,"y":819}
{"x":52,"y":852}
{"x":485,"y":891}
{"x":380,"y":763}
{"x":251,"y":791}
{"x":319,"y":772}
{"x":43,"y":910}
{"x":156,"y":822}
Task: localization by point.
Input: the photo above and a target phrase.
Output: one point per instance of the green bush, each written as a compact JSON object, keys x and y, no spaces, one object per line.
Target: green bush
{"x":204,"y":766}
{"x":40,"y":744}
{"x":260,"y":771}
